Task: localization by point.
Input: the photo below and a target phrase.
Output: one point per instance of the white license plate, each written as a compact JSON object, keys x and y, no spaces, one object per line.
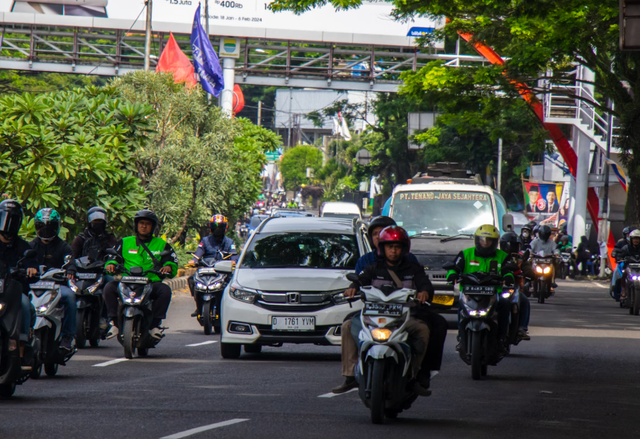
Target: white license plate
{"x":279,"y":323}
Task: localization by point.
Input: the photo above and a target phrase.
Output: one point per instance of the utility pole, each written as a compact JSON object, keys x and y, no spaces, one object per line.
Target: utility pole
{"x":605,"y":198}
{"x":259,"y":113}
{"x":206,"y":16}
{"x":147,"y":37}
{"x":290,"y":116}
{"x":499,"y":165}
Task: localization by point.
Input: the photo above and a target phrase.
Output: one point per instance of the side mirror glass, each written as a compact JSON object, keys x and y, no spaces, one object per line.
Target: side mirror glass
{"x":224,"y":267}
{"x":507,"y":222}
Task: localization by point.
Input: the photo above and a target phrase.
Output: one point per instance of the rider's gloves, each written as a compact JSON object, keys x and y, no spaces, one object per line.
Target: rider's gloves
{"x":453,"y":277}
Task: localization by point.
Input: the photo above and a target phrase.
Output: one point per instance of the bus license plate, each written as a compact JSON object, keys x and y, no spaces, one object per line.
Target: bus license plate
{"x":293,"y":323}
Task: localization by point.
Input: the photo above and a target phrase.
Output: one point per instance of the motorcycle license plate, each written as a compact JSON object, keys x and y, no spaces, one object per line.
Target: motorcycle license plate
{"x":382,"y":309}
{"x":86,"y":276}
{"x":279,"y":323}
{"x":442,"y":299}
{"x":134,"y":280}
{"x":43,"y":285}
{"x":208,"y":270}
{"x":479,"y":290}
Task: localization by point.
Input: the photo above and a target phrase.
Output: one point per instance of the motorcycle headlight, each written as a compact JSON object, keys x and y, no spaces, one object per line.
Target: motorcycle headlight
{"x":478,"y":312}
{"x":43,"y":308}
{"x":2,"y":308}
{"x":94,"y":287}
{"x":242,"y":294}
{"x":201,"y":286}
{"x":72,"y":285}
{"x":507,"y":293}
{"x":547,"y":270}
{"x":381,"y":334}
{"x":215,"y":286}
{"x":539,"y":270}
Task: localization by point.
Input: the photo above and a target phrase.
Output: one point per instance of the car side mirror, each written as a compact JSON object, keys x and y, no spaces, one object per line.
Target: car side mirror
{"x":224,"y":267}
{"x":507,"y":222}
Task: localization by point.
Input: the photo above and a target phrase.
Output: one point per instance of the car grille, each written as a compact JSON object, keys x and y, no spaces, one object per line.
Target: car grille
{"x":294,"y":301}
{"x":320,"y":331}
{"x":434,"y":262}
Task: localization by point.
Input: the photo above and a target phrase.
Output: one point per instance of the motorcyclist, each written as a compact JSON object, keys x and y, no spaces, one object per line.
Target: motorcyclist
{"x":12,"y":249}
{"x":394,"y":246}
{"x":615,"y":289}
{"x":631,"y":249}
{"x":544,"y":246}
{"x":51,"y":252}
{"x":479,"y":258}
{"x":211,"y":247}
{"x":526,"y":236}
{"x":140,"y":250}
{"x":510,"y":244}
{"x":437,"y":324}
{"x":94,"y":239}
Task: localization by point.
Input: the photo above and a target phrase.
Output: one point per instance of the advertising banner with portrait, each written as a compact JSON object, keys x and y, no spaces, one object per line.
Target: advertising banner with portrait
{"x":547,"y":203}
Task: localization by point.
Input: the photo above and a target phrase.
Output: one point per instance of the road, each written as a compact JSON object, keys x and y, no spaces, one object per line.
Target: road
{"x":579,"y":377}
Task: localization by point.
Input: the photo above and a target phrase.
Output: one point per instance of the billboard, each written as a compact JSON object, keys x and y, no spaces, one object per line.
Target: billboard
{"x":372,"y":23}
{"x":547,"y":203}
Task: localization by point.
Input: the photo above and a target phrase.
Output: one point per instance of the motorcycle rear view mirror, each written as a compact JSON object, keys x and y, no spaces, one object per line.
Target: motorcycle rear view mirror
{"x":448,"y":266}
{"x":224,"y":267}
{"x":507,"y":222}
{"x":353,"y":277}
{"x":111,"y":252}
{"x":30,"y":254}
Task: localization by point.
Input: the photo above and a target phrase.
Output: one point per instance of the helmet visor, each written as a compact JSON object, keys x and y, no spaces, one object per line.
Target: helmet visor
{"x":9,"y":223}
{"x":47,"y":231}
{"x":97,"y":216}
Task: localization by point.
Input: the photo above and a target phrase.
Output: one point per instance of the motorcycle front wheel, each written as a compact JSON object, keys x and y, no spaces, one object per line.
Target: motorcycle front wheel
{"x":476,"y":355}
{"x":636,"y":302}
{"x":207,"y":318}
{"x":51,"y":369}
{"x":7,"y":390}
{"x":377,"y":392}
{"x":127,"y":338}
{"x":82,"y":323}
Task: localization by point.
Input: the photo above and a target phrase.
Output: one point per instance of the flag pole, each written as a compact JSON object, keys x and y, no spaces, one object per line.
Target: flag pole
{"x":147,"y":37}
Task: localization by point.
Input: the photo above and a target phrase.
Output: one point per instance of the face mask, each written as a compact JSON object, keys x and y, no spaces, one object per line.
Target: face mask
{"x":525,"y":234}
{"x":218,"y":233}
{"x":98,"y":228}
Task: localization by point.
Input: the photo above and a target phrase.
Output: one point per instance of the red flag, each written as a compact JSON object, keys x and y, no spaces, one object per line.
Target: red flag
{"x":175,"y":61}
{"x":238,"y":99}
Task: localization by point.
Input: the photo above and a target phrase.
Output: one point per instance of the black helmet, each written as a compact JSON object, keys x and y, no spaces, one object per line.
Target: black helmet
{"x":509,"y":243}
{"x":147,"y":215}
{"x":10,"y":217}
{"x":96,"y":213}
{"x":379,"y":221}
{"x":626,"y":231}
{"x":532,"y":224}
{"x":544,"y":233}
{"x":47,"y":222}
{"x":535,"y":231}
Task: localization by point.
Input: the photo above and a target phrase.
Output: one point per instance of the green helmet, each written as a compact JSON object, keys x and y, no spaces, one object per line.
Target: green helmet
{"x":47,"y":222}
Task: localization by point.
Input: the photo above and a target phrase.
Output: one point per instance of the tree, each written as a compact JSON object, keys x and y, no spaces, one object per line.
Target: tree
{"x":539,"y":38}
{"x":71,"y":150}
{"x":295,"y":163}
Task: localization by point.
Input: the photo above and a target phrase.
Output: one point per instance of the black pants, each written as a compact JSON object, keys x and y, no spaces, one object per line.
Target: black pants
{"x":438,"y":326}
{"x":160,"y":297}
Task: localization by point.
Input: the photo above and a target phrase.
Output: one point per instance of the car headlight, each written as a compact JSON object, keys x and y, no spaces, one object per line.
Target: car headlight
{"x":242,"y":294}
{"x":72,"y":285}
{"x":547,"y":270}
{"x":339,"y":298}
{"x":215,"y":286}
{"x":381,"y":334}
{"x":539,"y":270}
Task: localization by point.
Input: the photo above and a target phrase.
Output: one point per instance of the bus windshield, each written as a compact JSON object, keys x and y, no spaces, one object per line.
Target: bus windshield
{"x":444,"y":213}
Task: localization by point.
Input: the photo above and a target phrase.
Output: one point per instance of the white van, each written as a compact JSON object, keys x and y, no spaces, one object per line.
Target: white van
{"x":340,"y":209}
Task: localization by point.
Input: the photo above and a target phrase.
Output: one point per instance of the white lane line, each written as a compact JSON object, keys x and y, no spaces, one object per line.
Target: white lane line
{"x":333,"y":395}
{"x":109,"y":363}
{"x":203,"y":343}
{"x":599,"y":284}
{"x":203,"y":428}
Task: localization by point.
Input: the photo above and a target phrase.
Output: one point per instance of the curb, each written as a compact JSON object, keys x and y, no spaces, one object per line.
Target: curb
{"x":178,"y":285}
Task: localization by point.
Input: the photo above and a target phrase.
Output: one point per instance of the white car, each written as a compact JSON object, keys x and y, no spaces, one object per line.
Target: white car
{"x":289,"y":282}
{"x":340,"y":209}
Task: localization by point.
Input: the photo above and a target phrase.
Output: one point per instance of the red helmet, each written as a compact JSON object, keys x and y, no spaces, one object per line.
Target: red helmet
{"x":395,"y":234}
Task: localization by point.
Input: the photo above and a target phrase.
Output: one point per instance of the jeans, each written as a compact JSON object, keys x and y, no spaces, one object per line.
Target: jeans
{"x":68,"y":301}
{"x":28,"y":315}
{"x":525,"y":312}
{"x":503,"y":317}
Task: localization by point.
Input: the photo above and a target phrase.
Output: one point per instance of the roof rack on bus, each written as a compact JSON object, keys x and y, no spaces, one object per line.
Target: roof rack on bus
{"x":446,"y":172}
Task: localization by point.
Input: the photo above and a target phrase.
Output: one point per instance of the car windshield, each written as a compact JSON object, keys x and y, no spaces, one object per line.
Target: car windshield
{"x":341,"y":215}
{"x":302,"y":250}
{"x":442,"y":212}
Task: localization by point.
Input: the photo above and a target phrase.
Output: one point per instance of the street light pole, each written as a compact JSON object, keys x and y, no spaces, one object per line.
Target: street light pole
{"x":499,"y":164}
{"x":147,"y":37}
{"x":206,"y":16}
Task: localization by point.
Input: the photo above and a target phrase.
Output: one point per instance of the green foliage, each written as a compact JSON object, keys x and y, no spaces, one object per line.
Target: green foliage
{"x":72,"y":150}
{"x":295,"y":162}
{"x":14,"y":81}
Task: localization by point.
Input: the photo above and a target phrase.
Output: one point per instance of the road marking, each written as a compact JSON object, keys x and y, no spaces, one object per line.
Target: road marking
{"x":203,"y":428}
{"x":333,"y":395}
{"x":109,"y":363}
{"x":599,"y":284}
{"x":203,"y":343}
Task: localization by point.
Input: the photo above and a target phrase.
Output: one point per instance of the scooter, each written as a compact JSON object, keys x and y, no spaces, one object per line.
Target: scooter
{"x":88,"y":287}
{"x":632,"y":273}
{"x":208,"y":288}
{"x":567,"y":266}
{"x":135,"y":308}
{"x":479,"y":346}
{"x":45,"y":298}
{"x":11,"y":373}
{"x":384,"y":371}
{"x":543,"y":268}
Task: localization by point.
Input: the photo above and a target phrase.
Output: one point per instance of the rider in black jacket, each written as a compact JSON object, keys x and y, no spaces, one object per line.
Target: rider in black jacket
{"x":394,"y":269}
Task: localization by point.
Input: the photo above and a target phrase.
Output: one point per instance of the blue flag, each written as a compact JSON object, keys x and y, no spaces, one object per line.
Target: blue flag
{"x":205,"y":59}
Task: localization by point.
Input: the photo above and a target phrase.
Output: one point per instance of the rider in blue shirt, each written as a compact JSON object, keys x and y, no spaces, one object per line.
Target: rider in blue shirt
{"x":216,"y":245}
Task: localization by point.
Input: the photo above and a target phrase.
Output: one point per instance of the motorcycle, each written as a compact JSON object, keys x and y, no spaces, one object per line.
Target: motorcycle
{"x":567,"y":267}
{"x":11,"y":372}
{"x":384,"y":371}
{"x":632,"y":281}
{"x":208,"y":288}
{"x":134,"y":310}
{"x":88,"y":287}
{"x":543,"y":268}
{"x":479,"y":345}
{"x":45,"y":298}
